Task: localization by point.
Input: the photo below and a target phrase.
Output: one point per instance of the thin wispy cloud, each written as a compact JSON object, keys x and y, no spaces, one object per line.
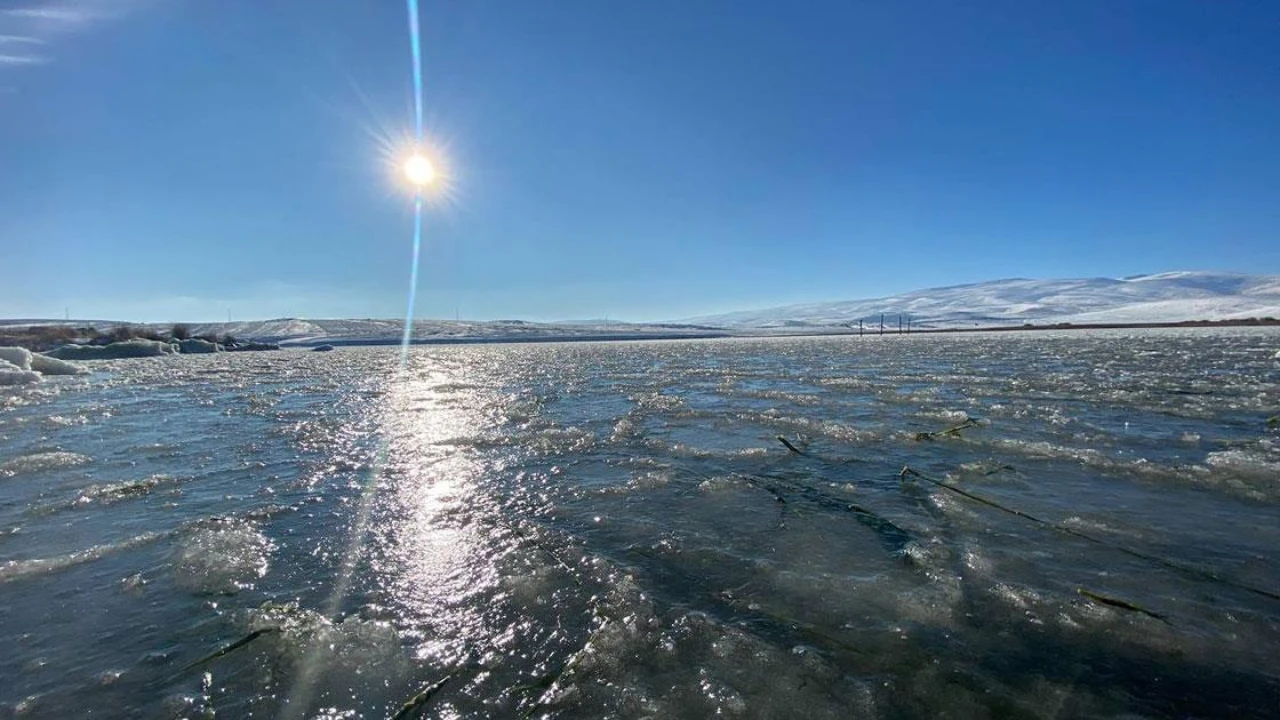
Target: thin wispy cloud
{"x":14,"y":50}
{"x":39,"y":25}
{"x":20,"y":40}
{"x":55,"y":14}
{"x":22,"y":60}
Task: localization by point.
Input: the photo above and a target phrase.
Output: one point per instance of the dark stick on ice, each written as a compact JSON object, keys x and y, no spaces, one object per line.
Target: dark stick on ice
{"x":753,"y":482}
{"x":953,"y":431}
{"x":416,"y":702}
{"x":999,"y":468}
{"x":1122,"y":604}
{"x":889,"y":532}
{"x":1189,"y":569}
{"x":777,"y":497}
{"x":233,"y":646}
{"x":790,"y":447}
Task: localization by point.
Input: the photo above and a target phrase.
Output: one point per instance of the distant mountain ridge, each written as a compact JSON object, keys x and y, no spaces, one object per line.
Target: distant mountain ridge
{"x":1161,"y":297}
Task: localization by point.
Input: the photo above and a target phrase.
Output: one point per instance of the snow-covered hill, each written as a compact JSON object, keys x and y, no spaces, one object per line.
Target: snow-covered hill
{"x":1164,"y":297}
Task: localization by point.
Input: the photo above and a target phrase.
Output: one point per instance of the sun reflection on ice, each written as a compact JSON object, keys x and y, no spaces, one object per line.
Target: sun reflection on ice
{"x":431,"y":550}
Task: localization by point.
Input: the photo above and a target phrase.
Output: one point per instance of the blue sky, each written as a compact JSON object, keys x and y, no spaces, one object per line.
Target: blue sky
{"x":175,"y":160}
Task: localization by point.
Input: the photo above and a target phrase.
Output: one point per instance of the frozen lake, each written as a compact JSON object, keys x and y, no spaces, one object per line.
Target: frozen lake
{"x":592,"y":530}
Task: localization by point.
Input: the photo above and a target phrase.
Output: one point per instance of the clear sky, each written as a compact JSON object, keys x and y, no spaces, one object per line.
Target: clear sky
{"x":178,"y":159}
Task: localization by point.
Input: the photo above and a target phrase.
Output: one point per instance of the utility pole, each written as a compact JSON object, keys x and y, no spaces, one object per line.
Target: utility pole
{"x":859,"y":328}
{"x":881,"y":323}
{"x":899,"y":323}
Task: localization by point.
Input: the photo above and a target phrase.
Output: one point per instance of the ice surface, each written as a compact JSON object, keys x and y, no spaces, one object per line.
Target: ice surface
{"x":612,"y":530}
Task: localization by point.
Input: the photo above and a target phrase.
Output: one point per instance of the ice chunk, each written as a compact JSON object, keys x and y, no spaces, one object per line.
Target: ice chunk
{"x":20,"y":357}
{"x":11,"y":374}
{"x":53,"y":366}
{"x":21,"y":366}
{"x":128,"y":349}
{"x":196,"y":345}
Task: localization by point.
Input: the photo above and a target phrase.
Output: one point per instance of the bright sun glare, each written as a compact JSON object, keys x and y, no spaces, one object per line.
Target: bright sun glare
{"x":419,"y":170}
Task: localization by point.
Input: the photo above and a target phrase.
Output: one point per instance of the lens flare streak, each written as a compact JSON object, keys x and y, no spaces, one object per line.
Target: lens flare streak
{"x":415,"y":48}
{"x":413,"y":282}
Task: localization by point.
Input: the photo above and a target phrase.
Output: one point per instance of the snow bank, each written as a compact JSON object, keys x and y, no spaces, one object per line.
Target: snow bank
{"x":114,"y":351}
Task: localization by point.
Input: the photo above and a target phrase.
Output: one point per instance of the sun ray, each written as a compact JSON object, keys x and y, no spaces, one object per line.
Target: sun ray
{"x":422,"y":173}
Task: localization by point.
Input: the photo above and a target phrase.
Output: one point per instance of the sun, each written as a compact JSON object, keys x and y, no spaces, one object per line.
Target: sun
{"x":419,"y":171}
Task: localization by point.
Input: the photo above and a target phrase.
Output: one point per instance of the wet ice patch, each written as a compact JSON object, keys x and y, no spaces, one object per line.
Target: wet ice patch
{"x":112,"y":492}
{"x":556,"y":440}
{"x":640,"y":481}
{"x":17,"y":569}
{"x":222,"y":557}
{"x":658,"y":402}
{"x":1252,"y":471}
{"x":946,"y":415}
{"x":720,"y":482}
{"x":37,"y":462}
{"x":351,"y":657}
{"x":1251,"y":462}
{"x":638,"y":665}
